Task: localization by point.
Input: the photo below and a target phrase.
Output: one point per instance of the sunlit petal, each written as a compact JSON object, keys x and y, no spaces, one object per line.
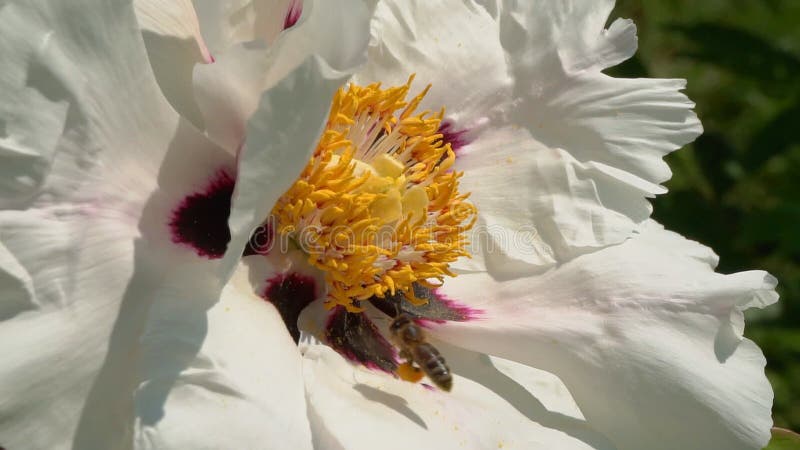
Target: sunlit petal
{"x":645,"y":335}
{"x":354,"y":408}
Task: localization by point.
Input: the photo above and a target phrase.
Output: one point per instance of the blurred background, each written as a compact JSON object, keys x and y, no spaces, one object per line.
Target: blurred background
{"x":736,"y":188}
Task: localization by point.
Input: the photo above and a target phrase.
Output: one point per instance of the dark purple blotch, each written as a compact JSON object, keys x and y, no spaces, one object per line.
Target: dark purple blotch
{"x":456,"y":138}
{"x":200,"y":220}
{"x":355,"y":336}
{"x":438,"y":309}
{"x":261,"y":240}
{"x":290,"y":294}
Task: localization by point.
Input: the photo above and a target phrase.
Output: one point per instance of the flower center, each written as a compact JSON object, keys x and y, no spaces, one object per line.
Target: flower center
{"x":377,"y":208}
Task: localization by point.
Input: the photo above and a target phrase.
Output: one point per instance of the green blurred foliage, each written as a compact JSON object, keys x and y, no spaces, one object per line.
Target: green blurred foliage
{"x":736,"y":188}
{"x":783,"y":439}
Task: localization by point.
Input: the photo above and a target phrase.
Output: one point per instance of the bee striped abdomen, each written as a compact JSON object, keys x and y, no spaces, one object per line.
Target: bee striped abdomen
{"x":433,"y":364}
{"x":410,"y":338}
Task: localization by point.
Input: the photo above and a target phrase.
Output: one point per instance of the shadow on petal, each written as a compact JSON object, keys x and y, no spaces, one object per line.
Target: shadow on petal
{"x":173,"y":61}
{"x":727,"y":338}
{"x":392,"y":401}
{"x":162,"y":320}
{"x":479,"y":368}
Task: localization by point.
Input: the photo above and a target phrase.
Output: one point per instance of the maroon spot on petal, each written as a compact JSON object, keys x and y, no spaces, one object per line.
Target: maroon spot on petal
{"x":261,"y":240}
{"x":290,"y":294}
{"x":293,"y":13}
{"x":200,"y":221}
{"x":355,"y":337}
{"x":439,"y":308}
{"x":456,"y":138}
{"x":428,"y":386}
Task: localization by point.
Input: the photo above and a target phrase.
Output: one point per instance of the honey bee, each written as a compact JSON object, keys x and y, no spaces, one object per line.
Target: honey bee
{"x":410,"y":338}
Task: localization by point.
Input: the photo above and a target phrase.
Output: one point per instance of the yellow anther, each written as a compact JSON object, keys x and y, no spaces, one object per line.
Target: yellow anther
{"x":415,"y":203}
{"x":321,"y":195}
{"x":390,"y":283}
{"x":379,"y":172}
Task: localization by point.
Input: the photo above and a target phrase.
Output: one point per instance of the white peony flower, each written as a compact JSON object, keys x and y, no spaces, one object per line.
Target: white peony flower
{"x":130,"y":318}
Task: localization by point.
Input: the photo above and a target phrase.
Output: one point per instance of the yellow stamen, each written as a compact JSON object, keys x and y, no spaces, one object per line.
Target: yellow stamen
{"x":377,"y":199}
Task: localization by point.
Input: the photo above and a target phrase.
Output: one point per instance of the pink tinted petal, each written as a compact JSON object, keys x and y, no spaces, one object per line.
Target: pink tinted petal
{"x":293,"y":13}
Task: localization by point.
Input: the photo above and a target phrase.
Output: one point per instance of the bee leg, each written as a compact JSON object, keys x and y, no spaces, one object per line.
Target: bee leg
{"x":405,"y":355}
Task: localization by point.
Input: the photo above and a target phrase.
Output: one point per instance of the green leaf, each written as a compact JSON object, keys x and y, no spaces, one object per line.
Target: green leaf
{"x":783,"y":439}
{"x":631,"y":68}
{"x":774,"y":138}
{"x":743,"y":53}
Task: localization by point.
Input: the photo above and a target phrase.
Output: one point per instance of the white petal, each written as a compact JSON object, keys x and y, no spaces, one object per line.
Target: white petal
{"x":538,"y":206}
{"x":355,"y":408}
{"x":174,"y":45}
{"x":290,"y":117}
{"x":83,"y":110}
{"x":452,"y":46}
{"x":242,"y":389}
{"x":568,"y":35}
{"x":628,"y":125}
{"x":229,"y":22}
{"x":16,"y":286}
{"x":229,"y":91}
{"x":100,"y":163}
{"x":28,"y":136}
{"x":619,"y":129}
{"x":85,"y":274}
{"x":645,"y":335}
{"x":538,"y":395}
{"x":523,"y":80}
{"x":175,"y":19}
{"x":54,"y":347}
